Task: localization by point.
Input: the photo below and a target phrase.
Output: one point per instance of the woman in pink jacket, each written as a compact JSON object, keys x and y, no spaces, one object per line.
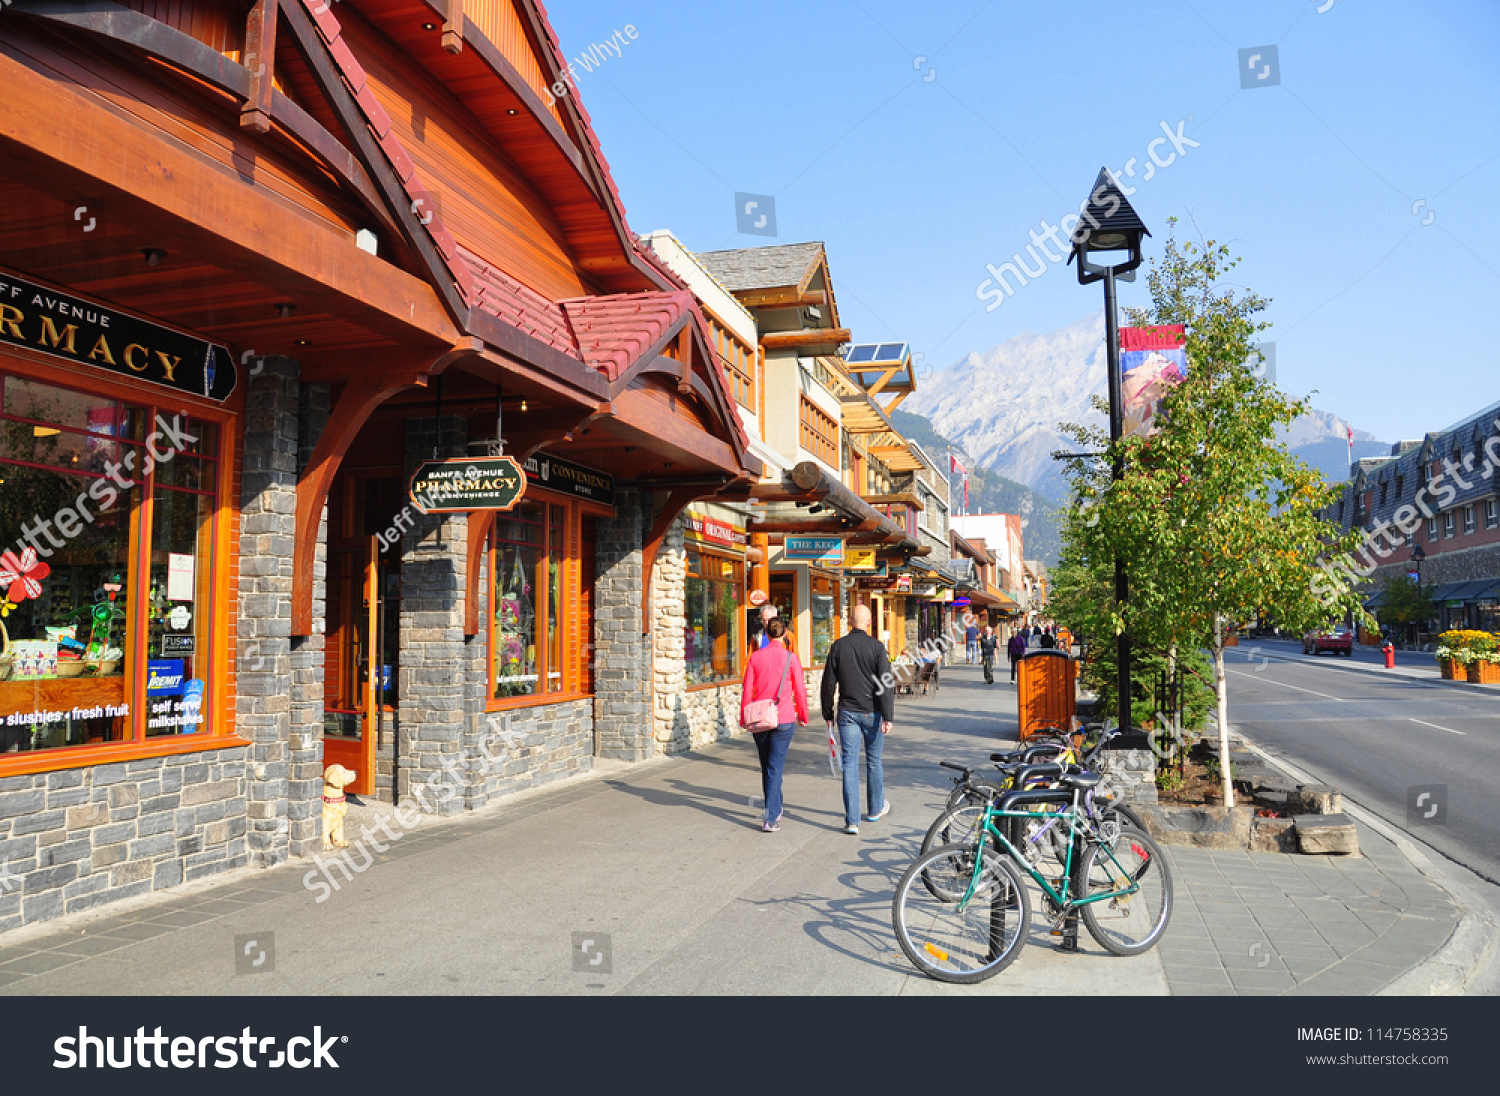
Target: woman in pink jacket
{"x":775,"y":673}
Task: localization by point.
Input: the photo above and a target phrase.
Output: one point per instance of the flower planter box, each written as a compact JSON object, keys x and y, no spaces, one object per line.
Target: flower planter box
{"x":1452,"y":671}
{"x":1484,"y":673}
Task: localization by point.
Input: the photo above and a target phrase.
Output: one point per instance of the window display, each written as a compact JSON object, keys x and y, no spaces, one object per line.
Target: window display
{"x":715,"y":586}
{"x":533,"y":570}
{"x":825,"y":617}
{"x":85,"y":482}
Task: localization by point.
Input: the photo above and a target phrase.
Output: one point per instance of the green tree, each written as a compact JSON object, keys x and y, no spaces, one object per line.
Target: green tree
{"x":1405,"y":601}
{"x":1214,"y":518}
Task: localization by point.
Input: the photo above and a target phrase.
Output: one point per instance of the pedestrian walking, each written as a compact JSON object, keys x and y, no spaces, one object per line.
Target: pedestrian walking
{"x":858,"y":670}
{"x":1048,"y":641}
{"x":773,"y":675}
{"x":762,"y":637}
{"x":987,"y":645}
{"x":1015,"y":649}
{"x":971,"y":642}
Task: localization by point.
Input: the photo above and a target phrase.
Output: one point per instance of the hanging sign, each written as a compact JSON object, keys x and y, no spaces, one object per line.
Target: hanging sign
{"x":870,"y":582}
{"x":824,"y":550}
{"x":903,"y":583}
{"x":63,"y":326}
{"x":554,"y":474}
{"x":468,"y":483}
{"x":1152,"y":360}
{"x":705,"y":528}
{"x":859,"y":559}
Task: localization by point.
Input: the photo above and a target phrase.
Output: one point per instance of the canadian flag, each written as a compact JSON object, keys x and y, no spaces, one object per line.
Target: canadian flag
{"x":955,"y":466}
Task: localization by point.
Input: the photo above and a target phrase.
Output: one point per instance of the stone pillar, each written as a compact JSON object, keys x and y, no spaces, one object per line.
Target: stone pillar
{"x":672,"y":730}
{"x":268,"y":519}
{"x":435,"y":659}
{"x":622,"y":675}
{"x":305,"y":785}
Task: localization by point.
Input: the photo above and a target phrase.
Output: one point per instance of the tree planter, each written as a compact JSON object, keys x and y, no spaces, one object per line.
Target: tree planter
{"x":1484,"y":673}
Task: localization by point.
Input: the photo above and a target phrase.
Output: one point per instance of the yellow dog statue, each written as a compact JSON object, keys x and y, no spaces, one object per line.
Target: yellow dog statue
{"x":335,"y":779}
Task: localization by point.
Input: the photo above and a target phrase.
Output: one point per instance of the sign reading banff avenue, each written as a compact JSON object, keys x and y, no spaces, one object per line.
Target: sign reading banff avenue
{"x":467,"y":483}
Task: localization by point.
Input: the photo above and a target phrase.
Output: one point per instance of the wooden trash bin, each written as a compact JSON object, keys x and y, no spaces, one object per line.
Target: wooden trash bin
{"x":1046,"y":682}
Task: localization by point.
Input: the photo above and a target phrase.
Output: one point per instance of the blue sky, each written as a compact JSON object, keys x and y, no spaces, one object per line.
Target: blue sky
{"x":916,"y":173}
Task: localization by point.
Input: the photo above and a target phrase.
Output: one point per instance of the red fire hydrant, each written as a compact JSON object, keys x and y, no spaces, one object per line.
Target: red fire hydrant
{"x":1390,"y":656}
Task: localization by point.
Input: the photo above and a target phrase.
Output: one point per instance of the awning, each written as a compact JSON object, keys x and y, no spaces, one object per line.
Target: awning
{"x":810,"y":502}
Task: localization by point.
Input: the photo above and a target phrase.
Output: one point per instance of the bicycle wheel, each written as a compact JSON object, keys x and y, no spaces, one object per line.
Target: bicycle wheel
{"x":955,"y":941}
{"x":1131,"y":923}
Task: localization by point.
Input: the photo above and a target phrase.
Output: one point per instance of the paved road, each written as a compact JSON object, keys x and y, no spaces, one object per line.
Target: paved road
{"x":1378,"y":737}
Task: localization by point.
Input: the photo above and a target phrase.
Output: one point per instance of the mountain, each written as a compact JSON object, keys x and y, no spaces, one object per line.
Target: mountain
{"x":990,"y":492}
{"x":1003,"y":406}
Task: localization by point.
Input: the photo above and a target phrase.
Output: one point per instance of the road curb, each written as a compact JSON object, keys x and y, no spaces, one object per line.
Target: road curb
{"x":1473,"y":941}
{"x":1410,"y":673}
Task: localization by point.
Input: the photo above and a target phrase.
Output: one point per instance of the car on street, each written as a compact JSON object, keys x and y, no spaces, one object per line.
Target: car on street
{"x":1338,"y":639}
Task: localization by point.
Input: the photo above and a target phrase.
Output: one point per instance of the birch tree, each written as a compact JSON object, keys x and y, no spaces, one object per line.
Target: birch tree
{"x":1215,"y":519}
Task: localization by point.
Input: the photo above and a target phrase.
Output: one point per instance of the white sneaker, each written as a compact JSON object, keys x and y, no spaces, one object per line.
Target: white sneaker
{"x":851,"y":829}
{"x":885,"y":810}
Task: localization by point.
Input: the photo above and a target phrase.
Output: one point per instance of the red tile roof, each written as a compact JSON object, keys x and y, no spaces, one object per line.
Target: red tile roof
{"x":613,"y":332}
{"x":608,"y":333}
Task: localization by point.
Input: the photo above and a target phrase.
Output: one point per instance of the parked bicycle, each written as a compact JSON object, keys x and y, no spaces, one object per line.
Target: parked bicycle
{"x":961,"y":911}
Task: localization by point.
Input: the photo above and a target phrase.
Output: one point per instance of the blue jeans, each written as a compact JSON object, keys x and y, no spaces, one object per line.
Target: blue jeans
{"x":971,"y":651}
{"x":772,"y":747}
{"x":854,"y":726}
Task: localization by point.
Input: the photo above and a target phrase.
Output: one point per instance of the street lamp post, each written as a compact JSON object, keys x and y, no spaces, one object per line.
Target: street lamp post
{"x":1107,"y":245}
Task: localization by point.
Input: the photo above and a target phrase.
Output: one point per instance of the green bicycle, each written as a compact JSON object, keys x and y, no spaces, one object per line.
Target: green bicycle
{"x":962,"y":912}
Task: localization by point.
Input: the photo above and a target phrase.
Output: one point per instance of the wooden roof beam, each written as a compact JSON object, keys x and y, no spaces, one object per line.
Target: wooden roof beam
{"x":789,"y":340}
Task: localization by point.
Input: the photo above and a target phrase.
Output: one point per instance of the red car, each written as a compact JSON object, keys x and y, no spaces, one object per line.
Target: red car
{"x":1339,"y":640}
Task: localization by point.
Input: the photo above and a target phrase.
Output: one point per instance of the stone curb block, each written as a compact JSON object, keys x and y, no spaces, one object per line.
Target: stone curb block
{"x":1464,"y":954}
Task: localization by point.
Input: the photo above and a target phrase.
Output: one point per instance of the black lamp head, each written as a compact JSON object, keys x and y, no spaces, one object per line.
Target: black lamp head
{"x":1108,"y":224}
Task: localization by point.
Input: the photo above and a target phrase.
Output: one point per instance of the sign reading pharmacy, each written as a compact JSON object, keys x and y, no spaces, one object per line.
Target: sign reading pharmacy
{"x":468,"y":483}
{"x":545,"y":470}
{"x":77,"y":330}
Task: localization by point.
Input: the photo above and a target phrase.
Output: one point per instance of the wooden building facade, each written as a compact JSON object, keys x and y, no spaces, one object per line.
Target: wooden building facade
{"x":258,"y":261}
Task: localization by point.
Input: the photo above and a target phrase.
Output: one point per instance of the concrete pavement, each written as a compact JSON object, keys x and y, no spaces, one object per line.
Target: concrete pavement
{"x":664,"y":868}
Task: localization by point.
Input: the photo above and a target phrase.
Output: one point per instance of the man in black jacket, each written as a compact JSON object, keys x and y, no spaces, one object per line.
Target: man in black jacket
{"x":987,"y":646}
{"x":859,"y":669}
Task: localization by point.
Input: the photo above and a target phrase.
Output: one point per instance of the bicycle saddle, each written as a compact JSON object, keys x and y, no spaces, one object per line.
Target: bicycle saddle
{"x":1083,"y":781}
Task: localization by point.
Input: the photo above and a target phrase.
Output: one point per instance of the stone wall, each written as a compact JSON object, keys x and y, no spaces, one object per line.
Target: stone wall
{"x":436,"y":660}
{"x":268,"y":526}
{"x":305,"y":780}
{"x":622,"y":653}
{"x":528,"y":747}
{"x":1132,"y":773}
{"x":78,"y":838}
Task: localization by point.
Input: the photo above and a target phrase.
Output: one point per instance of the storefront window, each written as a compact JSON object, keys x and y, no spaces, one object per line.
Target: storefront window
{"x":825,"y":617}
{"x":520,"y":550}
{"x":80,"y":622}
{"x":712,"y":638}
{"x":530,"y":609}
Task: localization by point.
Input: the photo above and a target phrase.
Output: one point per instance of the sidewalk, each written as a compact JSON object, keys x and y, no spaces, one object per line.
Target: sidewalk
{"x":664,"y":865}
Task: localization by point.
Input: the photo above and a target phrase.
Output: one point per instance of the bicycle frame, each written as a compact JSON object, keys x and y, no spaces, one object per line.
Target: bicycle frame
{"x":1062,"y":901}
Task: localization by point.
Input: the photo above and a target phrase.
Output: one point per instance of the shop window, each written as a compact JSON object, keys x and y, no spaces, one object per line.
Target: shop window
{"x":107,"y":538}
{"x":825,"y":617}
{"x":534,"y":603}
{"x":711,"y":637}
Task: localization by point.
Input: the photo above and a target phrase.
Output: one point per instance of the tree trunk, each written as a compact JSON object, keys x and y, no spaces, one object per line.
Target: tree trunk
{"x":1221,"y":696}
